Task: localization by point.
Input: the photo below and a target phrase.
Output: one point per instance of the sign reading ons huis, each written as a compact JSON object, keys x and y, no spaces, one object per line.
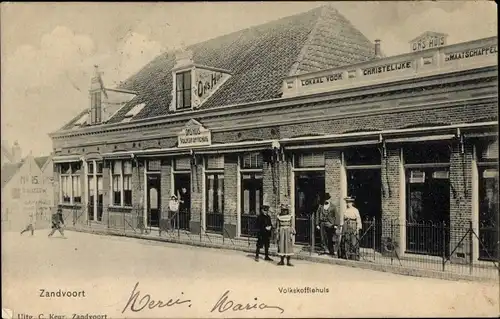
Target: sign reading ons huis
{"x":194,"y":134}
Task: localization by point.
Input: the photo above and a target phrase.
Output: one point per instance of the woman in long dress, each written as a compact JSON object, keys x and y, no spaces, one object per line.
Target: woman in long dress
{"x":350,"y":231}
{"x":285,"y":232}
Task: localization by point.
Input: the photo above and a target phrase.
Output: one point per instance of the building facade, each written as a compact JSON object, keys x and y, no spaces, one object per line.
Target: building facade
{"x":26,"y":189}
{"x":412,"y":137}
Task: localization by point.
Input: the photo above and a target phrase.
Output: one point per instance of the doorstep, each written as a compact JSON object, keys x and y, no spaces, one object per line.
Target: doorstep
{"x":312,"y":258}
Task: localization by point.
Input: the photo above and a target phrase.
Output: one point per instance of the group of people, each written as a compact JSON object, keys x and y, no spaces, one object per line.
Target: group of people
{"x":339,"y":236}
{"x":57,"y":223}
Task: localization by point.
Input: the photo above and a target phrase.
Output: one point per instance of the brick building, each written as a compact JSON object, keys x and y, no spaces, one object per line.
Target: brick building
{"x":293,"y":108}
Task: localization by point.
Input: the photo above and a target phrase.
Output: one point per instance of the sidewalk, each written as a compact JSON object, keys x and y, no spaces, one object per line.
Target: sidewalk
{"x":421,"y":266}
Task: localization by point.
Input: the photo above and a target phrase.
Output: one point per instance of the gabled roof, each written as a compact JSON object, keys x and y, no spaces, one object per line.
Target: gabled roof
{"x":8,"y":171}
{"x":259,"y":58}
{"x":40,"y":161}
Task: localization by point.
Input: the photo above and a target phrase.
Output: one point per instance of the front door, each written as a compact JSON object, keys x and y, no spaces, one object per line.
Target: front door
{"x":365,"y":186}
{"x":153,"y":204}
{"x":309,"y":190}
{"x":182,"y":187}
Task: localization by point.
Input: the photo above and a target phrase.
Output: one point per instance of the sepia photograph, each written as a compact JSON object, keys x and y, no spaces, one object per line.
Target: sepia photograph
{"x":307,"y":159}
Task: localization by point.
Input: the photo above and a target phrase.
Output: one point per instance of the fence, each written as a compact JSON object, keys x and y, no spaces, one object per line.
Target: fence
{"x":457,"y":248}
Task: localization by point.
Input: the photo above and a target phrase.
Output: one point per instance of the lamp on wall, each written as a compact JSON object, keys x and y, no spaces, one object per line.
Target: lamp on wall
{"x":461,"y":140}
{"x":383,"y":148}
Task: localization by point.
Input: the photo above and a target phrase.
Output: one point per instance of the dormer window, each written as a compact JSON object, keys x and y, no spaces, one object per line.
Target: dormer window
{"x":183,"y":90}
{"x":82,"y":120}
{"x":95,"y":107}
{"x":133,"y":112}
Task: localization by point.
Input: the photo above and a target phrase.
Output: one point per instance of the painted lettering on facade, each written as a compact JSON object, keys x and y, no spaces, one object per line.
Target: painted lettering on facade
{"x":388,"y":68}
{"x":206,"y":82}
{"x":428,"y":43}
{"x":194,"y":134}
{"x":472,"y":53}
{"x":322,"y":79}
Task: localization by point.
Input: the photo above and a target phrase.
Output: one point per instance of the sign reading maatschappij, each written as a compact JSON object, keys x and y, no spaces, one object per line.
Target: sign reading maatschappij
{"x":206,"y":82}
{"x":472,"y":53}
{"x":385,"y":68}
{"x":322,"y":79}
{"x":194,"y":134}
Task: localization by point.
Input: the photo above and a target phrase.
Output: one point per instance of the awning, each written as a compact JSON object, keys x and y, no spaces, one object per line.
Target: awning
{"x":421,"y":138}
{"x":247,"y":146}
{"x":332,"y":145}
{"x":67,"y":158}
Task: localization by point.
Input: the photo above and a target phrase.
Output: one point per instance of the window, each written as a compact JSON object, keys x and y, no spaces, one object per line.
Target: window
{"x":133,"y":112}
{"x":215,"y":193}
{"x":70,"y":183}
{"x":183,"y":90}
{"x":121,"y":183}
{"x":252,"y":161}
{"x":427,"y":197}
{"x":95,"y":107}
{"x":310,"y":160}
{"x":252,"y":196}
{"x":489,"y":221}
{"x":362,"y":156}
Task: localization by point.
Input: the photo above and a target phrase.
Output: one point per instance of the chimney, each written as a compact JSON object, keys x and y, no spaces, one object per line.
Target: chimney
{"x":16,"y":152}
{"x":378,"y":53}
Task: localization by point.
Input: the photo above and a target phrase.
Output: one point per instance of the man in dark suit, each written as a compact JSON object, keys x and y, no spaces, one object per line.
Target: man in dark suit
{"x":264,"y":228}
{"x":326,"y":222}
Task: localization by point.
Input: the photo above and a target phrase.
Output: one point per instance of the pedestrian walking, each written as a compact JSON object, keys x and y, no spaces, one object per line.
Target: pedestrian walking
{"x":264,"y":230}
{"x":350,"y":231}
{"x":326,"y":217}
{"x":31,"y":223}
{"x":285,"y":233}
{"x":57,"y":222}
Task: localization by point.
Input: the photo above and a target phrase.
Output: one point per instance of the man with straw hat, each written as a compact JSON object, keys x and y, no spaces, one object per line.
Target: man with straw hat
{"x":350,"y":231}
{"x":264,"y":227}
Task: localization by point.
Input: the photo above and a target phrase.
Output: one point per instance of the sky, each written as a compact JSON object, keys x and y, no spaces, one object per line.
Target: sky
{"x":48,"y":49}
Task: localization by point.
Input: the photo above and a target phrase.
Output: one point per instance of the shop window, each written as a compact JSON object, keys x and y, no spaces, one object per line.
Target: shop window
{"x":427,"y":198}
{"x":252,"y":196}
{"x":362,"y":156}
{"x":183,"y":90}
{"x":489,"y":223}
{"x":122,"y":183}
{"x":70,"y":185}
{"x":310,"y":160}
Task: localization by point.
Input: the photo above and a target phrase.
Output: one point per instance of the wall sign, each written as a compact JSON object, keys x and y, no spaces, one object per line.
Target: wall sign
{"x":322,"y":79}
{"x":472,"y":53}
{"x":428,"y":40}
{"x":206,"y":83}
{"x":194,"y":134}
{"x":388,"y":68}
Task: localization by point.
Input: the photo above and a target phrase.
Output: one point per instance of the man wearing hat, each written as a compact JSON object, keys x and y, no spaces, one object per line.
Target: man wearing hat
{"x":350,"y":231}
{"x":325,"y":222}
{"x":264,"y":227}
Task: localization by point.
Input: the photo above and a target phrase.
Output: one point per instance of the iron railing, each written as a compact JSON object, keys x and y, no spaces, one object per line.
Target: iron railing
{"x":441,"y":246}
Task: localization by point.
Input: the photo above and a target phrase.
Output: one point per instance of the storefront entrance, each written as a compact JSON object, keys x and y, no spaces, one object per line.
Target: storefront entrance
{"x":154,"y":200}
{"x":365,"y":186}
{"x":309,"y":190}
{"x":182,"y":188}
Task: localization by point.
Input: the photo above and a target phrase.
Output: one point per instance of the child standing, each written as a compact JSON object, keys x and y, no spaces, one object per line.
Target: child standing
{"x":285,"y":232}
{"x":57,"y":223}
